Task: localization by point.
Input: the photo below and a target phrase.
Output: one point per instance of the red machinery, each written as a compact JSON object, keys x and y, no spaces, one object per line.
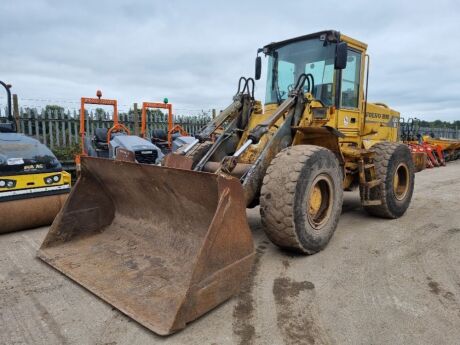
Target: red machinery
{"x":434,"y":154}
{"x":424,"y":154}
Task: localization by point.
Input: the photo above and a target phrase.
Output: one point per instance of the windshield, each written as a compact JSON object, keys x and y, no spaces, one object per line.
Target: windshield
{"x":287,"y":63}
{"x":22,"y":154}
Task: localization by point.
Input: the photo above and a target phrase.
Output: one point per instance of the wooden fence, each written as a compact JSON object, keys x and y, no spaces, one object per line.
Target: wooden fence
{"x":60,"y":129}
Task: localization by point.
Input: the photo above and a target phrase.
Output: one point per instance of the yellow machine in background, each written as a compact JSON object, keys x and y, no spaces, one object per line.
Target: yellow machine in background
{"x":180,"y":233}
{"x":33,"y":186}
{"x":31,"y":200}
{"x":449,"y":147}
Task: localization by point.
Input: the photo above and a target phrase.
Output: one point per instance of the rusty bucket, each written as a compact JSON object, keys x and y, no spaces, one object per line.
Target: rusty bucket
{"x":162,"y":245}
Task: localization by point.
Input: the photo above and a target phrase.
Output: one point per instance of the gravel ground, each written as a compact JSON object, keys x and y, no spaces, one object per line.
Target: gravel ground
{"x":378,"y":282}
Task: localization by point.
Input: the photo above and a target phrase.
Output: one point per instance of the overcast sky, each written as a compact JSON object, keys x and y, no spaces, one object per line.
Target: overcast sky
{"x":194,"y":51}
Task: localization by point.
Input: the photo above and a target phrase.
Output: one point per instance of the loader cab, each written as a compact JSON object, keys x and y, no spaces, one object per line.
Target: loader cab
{"x":336,"y":63}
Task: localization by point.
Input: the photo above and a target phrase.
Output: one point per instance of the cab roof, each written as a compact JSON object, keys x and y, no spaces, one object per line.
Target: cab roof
{"x":330,"y":35}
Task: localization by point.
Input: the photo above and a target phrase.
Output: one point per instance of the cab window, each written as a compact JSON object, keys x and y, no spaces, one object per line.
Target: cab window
{"x":350,"y":81}
{"x":286,"y":77}
{"x":323,"y":75}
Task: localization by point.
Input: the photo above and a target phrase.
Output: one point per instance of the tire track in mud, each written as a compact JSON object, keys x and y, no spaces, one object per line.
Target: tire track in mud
{"x":376,"y":288}
{"x":243,"y":312}
{"x":49,"y":320}
{"x":451,"y":267}
{"x":295,"y":312}
{"x":446,"y":298}
{"x":445,"y":183}
{"x":20,"y":292}
{"x":388,"y":283}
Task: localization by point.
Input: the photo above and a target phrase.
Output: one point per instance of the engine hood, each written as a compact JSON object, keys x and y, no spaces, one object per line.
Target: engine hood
{"x":135,"y":144}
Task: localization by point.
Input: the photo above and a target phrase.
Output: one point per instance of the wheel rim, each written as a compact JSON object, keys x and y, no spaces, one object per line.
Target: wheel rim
{"x":401,"y":181}
{"x":319,"y":201}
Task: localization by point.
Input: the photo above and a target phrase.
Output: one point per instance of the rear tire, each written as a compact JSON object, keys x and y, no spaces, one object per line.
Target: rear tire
{"x":301,"y":198}
{"x":395,"y":168}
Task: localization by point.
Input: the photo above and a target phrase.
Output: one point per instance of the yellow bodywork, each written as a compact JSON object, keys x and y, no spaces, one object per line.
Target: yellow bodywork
{"x":27,"y":201}
{"x":358,"y":128}
{"x":446,"y":144}
{"x":32,"y":181}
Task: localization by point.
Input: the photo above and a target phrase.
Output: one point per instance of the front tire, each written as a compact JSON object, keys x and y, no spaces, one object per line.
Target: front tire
{"x":301,"y":198}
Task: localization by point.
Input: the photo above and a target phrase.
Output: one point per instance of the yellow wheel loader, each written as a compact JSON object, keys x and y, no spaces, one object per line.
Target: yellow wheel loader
{"x":166,"y":244}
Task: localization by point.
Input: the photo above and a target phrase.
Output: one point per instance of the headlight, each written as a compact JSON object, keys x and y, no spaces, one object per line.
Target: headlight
{"x":7,"y":183}
{"x":52,"y":179}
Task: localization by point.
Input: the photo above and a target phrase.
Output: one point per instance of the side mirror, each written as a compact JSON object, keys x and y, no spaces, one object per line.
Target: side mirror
{"x":341,"y":54}
{"x":258,"y":67}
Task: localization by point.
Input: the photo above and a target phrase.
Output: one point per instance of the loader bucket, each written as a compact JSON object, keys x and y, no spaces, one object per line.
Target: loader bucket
{"x":162,"y":245}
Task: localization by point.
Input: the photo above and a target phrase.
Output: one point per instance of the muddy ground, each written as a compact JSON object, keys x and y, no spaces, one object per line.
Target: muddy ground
{"x":378,"y":282}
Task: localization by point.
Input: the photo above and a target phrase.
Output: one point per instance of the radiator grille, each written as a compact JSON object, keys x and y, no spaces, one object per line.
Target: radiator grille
{"x":146,"y":158}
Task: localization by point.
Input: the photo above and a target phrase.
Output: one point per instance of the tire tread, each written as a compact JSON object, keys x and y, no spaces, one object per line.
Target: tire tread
{"x":278,"y":196}
{"x":383,"y":153}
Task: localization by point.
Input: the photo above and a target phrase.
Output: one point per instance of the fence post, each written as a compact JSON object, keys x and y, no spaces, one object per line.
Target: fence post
{"x":43,"y":123}
{"x":29,"y":121}
{"x":50,"y":129}
{"x":21,"y":120}
{"x":56,"y":124}
{"x":63,"y":130}
{"x":16,"y":112}
{"x":37,"y":128}
{"x":74,"y":127}
{"x":135,"y":119}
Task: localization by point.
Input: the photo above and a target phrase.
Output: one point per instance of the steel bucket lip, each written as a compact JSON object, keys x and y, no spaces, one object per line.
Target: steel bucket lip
{"x":162,"y":331}
{"x":148,"y":166}
{"x":104,"y":297}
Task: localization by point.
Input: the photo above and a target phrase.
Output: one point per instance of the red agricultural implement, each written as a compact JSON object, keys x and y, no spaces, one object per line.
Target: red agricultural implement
{"x":434,"y":154}
{"x":424,"y":154}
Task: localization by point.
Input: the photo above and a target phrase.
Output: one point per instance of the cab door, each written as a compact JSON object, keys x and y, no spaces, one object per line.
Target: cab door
{"x":349,"y":96}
